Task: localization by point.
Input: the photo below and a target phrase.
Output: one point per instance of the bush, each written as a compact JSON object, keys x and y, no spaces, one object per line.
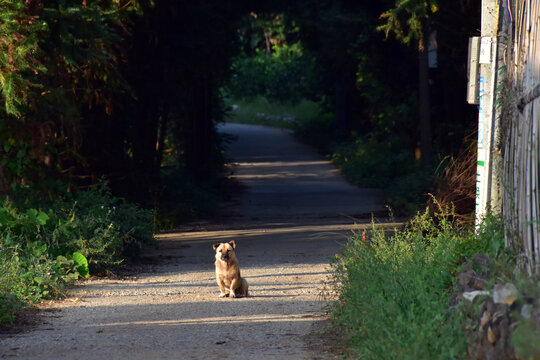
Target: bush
{"x":395,"y":291}
{"x":28,"y":270}
{"x":319,"y":132}
{"x":181,"y":198}
{"x":409,"y":192}
{"x":10,"y":306}
{"x":42,"y":252}
{"x":105,"y":229}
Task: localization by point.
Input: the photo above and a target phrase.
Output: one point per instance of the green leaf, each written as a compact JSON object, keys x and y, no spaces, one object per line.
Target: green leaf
{"x":81,"y":264}
{"x":39,"y":217}
{"x":31,"y":213}
{"x":42,"y":218}
{"x":38,"y":279}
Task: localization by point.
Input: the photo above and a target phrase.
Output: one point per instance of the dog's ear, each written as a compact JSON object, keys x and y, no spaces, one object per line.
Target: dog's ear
{"x":215,"y":246}
{"x":232,"y":243}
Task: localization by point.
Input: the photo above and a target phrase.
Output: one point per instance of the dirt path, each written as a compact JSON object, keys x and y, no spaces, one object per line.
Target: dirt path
{"x":294,"y":213}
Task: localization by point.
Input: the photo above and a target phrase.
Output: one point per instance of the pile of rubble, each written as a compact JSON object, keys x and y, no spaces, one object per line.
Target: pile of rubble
{"x":496,"y":312}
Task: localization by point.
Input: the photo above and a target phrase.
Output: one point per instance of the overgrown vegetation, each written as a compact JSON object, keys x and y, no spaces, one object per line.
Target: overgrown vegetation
{"x":42,"y":251}
{"x":394,"y":290}
{"x":132,"y":90}
{"x":397,"y":291}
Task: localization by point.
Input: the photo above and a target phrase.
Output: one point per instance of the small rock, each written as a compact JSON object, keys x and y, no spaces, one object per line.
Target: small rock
{"x":505,"y":294}
{"x":470,"y":295}
{"x":526,"y":311}
{"x":469,"y":280}
{"x":491,"y":336}
{"x":499,"y":314}
{"x":485,"y":319}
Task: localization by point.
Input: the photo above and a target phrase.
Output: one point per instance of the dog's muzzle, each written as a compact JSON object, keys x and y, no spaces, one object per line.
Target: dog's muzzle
{"x":225,"y":257}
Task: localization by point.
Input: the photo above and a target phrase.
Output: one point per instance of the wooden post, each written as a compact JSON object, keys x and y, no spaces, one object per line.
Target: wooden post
{"x":486,"y":111}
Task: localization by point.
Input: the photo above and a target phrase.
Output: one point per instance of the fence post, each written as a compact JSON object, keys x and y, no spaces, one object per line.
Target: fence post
{"x":486,"y":109}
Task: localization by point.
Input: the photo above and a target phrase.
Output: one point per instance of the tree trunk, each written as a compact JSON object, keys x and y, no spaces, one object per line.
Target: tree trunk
{"x":199,"y":139}
{"x":424,"y":104}
{"x":163,"y":127}
{"x":343,"y":89}
{"x":146,"y":132}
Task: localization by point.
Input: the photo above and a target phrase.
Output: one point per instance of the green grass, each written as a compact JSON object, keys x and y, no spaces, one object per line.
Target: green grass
{"x":260,"y":111}
{"x":394,"y":292}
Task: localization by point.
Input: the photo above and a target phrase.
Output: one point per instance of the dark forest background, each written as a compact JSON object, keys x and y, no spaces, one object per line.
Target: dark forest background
{"x":130,"y":91}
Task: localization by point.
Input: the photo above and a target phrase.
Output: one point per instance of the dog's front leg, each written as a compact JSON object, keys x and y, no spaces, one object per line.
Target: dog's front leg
{"x":235,"y":284}
{"x":222,"y":290}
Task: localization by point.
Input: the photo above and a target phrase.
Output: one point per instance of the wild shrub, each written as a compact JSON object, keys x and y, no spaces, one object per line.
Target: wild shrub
{"x":10,"y":305}
{"x":394,"y":291}
{"x":320,"y":132}
{"x":455,"y":182}
{"x":42,"y":252}
{"x":103,"y":228}
{"x":28,"y":270}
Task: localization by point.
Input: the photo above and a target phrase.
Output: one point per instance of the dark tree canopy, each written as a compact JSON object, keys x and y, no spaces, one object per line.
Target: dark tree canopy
{"x":131,"y":90}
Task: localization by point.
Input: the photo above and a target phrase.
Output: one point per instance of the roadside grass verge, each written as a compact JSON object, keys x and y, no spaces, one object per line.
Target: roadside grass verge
{"x":394,"y":291}
{"x":42,"y":250}
{"x":260,"y":111}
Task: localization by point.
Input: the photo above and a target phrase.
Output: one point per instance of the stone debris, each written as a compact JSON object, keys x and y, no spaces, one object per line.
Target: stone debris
{"x":490,"y":336}
{"x":526,"y":311}
{"x":505,"y":294}
{"x":471,"y":295}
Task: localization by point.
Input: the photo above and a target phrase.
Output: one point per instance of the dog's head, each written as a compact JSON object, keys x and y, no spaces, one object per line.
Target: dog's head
{"x":225,"y":251}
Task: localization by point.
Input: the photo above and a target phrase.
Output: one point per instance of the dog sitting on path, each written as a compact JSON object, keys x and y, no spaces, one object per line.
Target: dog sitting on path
{"x":227,"y":271}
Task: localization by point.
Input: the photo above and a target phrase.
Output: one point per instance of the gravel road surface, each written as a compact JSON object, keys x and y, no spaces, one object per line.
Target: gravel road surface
{"x":295,"y":211}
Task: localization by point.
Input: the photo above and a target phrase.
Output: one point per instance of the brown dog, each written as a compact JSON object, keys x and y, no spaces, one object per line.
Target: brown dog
{"x":227,"y":271}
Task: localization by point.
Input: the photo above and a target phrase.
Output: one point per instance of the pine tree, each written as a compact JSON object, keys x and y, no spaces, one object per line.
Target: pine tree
{"x":18,"y":53}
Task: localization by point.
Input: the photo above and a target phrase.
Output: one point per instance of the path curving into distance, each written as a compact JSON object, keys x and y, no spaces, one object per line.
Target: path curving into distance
{"x":295,"y":211}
